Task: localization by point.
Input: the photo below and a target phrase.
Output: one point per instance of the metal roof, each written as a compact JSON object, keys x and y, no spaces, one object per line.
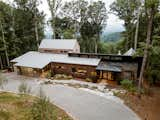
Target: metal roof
{"x":130,"y":52}
{"x":33,"y":59}
{"x":58,"y":43}
{"x":40,"y":60}
{"x":107,"y":66}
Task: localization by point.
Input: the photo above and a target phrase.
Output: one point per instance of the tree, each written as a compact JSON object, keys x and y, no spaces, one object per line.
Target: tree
{"x":35,"y":11}
{"x":4,"y":42}
{"x":87,"y":35}
{"x":137,"y":29}
{"x":3,"y":25}
{"x":89,"y":20}
{"x":64,"y":28}
{"x":97,"y":17}
{"x":125,"y":10}
{"x":54,"y":5}
{"x":148,"y":27}
{"x":21,"y":28}
{"x":32,"y":26}
{"x":151,"y":8}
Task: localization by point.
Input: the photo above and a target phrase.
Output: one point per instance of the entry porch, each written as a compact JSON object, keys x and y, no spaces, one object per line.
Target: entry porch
{"x":108,"y":73}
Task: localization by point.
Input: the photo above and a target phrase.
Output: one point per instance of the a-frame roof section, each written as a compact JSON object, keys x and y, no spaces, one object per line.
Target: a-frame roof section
{"x":64,"y":44}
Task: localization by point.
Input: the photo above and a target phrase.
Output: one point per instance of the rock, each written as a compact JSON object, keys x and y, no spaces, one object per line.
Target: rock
{"x":65,"y":84}
{"x":106,"y":90}
{"x":109,"y":93}
{"x":84,"y":86}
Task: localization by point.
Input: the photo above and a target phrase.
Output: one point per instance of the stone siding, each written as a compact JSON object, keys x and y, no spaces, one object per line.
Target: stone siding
{"x":77,"y":71}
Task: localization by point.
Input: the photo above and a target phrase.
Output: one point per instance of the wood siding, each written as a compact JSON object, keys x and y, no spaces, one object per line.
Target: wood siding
{"x":56,"y":51}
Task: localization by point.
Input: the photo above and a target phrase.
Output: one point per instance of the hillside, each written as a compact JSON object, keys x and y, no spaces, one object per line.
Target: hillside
{"x":111,"y":37}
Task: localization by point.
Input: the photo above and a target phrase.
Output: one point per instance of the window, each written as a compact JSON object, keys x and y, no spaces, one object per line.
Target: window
{"x":65,"y":51}
{"x":58,"y":67}
{"x":82,"y":71}
{"x":73,"y":69}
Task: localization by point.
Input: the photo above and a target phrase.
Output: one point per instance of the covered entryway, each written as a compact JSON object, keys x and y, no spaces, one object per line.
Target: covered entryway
{"x":108,"y":72}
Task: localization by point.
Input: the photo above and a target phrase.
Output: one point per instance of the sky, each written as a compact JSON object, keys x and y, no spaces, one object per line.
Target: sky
{"x":114,"y":24}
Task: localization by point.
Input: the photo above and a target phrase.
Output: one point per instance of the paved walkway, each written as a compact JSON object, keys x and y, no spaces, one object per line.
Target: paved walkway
{"x":81,"y":105}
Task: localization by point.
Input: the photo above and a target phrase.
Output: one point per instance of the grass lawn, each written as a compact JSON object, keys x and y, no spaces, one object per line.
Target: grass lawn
{"x":18,"y":107}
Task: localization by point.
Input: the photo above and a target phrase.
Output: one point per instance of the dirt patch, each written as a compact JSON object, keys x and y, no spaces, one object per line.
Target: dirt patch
{"x":146,"y":106}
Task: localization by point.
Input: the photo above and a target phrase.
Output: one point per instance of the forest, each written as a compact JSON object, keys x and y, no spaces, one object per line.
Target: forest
{"x":22,"y":27}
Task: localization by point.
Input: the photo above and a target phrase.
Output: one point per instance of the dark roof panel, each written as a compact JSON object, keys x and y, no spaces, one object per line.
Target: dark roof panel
{"x":106,"y":66}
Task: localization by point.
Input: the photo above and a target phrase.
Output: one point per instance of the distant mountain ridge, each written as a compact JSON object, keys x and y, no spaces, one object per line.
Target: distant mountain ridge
{"x":112,"y":37}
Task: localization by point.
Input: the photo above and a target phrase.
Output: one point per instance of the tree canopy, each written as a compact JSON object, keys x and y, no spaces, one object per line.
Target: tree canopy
{"x":18,"y":21}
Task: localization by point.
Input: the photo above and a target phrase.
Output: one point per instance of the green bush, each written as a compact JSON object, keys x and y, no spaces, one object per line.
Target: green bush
{"x":42,"y":109}
{"x":49,"y":74}
{"x":128,"y":85}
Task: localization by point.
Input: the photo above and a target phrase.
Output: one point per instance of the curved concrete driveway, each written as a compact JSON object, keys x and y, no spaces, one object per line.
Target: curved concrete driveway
{"x":80,"y":104}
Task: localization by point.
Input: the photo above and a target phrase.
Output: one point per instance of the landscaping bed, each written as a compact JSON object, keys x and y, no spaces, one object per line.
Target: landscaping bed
{"x":19,"y":107}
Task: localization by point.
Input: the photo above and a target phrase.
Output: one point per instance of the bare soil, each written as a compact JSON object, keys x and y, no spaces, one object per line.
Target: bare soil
{"x":146,"y":106}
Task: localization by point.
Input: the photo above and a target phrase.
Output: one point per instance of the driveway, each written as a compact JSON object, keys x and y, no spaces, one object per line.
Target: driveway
{"x":81,"y":105}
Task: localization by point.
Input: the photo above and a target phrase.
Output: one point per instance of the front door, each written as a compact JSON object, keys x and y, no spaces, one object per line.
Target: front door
{"x":108,"y":76}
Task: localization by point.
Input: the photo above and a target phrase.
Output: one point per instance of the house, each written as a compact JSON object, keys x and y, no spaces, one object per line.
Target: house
{"x":38,"y":64}
{"x":114,"y":67}
{"x":130,"y":52}
{"x":79,"y":65}
{"x":59,"y":46}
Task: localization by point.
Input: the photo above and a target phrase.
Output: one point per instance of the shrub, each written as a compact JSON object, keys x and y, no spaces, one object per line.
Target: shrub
{"x":88,"y":80}
{"x":116,"y":93}
{"x":5,"y":115}
{"x":49,"y":74}
{"x":127,"y":84}
{"x":62,"y":76}
{"x":3,"y":80}
{"x":133,"y":89}
{"x":24,"y":88}
{"x":48,"y":82}
{"x":42,"y":109}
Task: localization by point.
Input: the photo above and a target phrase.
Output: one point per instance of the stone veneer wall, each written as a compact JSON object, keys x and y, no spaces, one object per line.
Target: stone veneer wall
{"x":77,"y":71}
